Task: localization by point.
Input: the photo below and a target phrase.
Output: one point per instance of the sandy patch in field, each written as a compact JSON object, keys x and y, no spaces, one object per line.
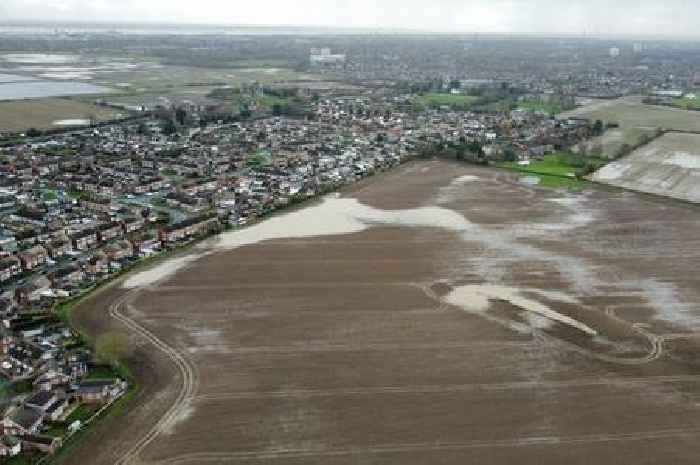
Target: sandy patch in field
{"x":184,"y":413}
{"x":160,"y":272}
{"x":333,"y":216}
{"x":340,"y":216}
{"x":684,"y":160}
{"x":612,"y":172}
{"x":577,"y":215}
{"x":477,"y":298}
{"x":206,"y":340}
{"x":454,"y":190}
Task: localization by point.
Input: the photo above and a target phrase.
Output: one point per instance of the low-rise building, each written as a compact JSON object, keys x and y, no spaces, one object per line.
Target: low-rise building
{"x":188,"y":228}
{"x":99,"y":391}
{"x":9,"y":268}
{"x":22,"y":421}
{"x":33,"y":258}
{"x":84,"y":240}
{"x":10,"y":446}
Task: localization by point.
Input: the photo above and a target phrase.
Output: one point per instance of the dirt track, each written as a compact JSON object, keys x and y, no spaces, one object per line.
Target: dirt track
{"x":342,"y":349}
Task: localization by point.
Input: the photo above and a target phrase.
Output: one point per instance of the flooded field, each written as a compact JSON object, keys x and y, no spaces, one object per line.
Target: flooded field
{"x":668,"y":166}
{"x":20,"y":87}
{"x":438,"y":314}
{"x":38,"y":58}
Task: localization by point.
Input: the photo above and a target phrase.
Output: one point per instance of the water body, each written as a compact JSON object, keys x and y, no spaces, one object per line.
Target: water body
{"x":38,"y":58}
{"x":20,"y":87}
{"x":7,"y":78}
{"x":71,"y":122}
{"x":333,"y":216}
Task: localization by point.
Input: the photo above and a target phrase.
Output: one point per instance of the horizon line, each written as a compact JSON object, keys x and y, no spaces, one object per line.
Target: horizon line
{"x":345,"y":30}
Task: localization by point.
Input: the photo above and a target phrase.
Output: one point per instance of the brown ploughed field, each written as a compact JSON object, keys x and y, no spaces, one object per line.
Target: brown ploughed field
{"x":469,"y":319}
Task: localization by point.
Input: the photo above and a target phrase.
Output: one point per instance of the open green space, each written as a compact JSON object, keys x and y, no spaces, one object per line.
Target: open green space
{"x":454,"y":101}
{"x":23,"y":459}
{"x":57,"y":430}
{"x":81,"y":413}
{"x":548,"y":108}
{"x":21,"y":115}
{"x":259,"y":159}
{"x":102,"y":372}
{"x":559,"y":182}
{"x":686,"y":103}
{"x":559,"y":170}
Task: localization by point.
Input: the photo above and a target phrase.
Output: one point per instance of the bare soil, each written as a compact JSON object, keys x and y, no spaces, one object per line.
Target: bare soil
{"x":343,"y":349}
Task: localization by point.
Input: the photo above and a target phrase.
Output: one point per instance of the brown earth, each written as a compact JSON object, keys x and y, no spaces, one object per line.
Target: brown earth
{"x":342,"y":350}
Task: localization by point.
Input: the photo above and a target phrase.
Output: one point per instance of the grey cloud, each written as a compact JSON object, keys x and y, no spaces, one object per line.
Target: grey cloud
{"x":595,"y":17}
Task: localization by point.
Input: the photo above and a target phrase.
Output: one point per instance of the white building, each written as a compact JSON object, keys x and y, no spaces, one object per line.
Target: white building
{"x":325,"y":57}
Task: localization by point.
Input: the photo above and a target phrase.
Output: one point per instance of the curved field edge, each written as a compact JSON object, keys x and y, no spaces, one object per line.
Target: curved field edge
{"x":76,"y":310}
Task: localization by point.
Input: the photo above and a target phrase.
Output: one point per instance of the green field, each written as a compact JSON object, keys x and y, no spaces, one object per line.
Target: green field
{"x":81,"y":413}
{"x":557,"y":170}
{"x":102,"y":372}
{"x":558,"y":182}
{"x":436,"y":100}
{"x":549,"y":108}
{"x":20,"y":115}
{"x":687,"y":103}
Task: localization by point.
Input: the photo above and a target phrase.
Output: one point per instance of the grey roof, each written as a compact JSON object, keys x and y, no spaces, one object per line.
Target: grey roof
{"x":41,"y":398}
{"x":25,"y":417}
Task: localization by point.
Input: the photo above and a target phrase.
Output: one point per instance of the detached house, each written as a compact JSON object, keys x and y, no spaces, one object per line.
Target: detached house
{"x":10,"y":446}
{"x":67,"y":276}
{"x":132,"y":225}
{"x":45,"y":444}
{"x":100,"y":391}
{"x":9,"y":268}
{"x":97,"y":204}
{"x":119,"y":250}
{"x":97,"y":264}
{"x":48,"y":404}
{"x":58,"y":248}
{"x":84,"y":240}
{"x":34,"y":257}
{"x":22,"y":421}
{"x":109,"y":231}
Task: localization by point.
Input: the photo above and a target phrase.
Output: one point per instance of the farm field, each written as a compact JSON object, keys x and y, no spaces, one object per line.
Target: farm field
{"x":612,"y":142}
{"x":635,"y":120}
{"x":20,"y":115}
{"x":668,"y":166}
{"x":630,"y":113}
{"x":440,"y":313}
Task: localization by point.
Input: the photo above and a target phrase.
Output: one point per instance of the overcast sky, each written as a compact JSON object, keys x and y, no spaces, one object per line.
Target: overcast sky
{"x":594,"y":17}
